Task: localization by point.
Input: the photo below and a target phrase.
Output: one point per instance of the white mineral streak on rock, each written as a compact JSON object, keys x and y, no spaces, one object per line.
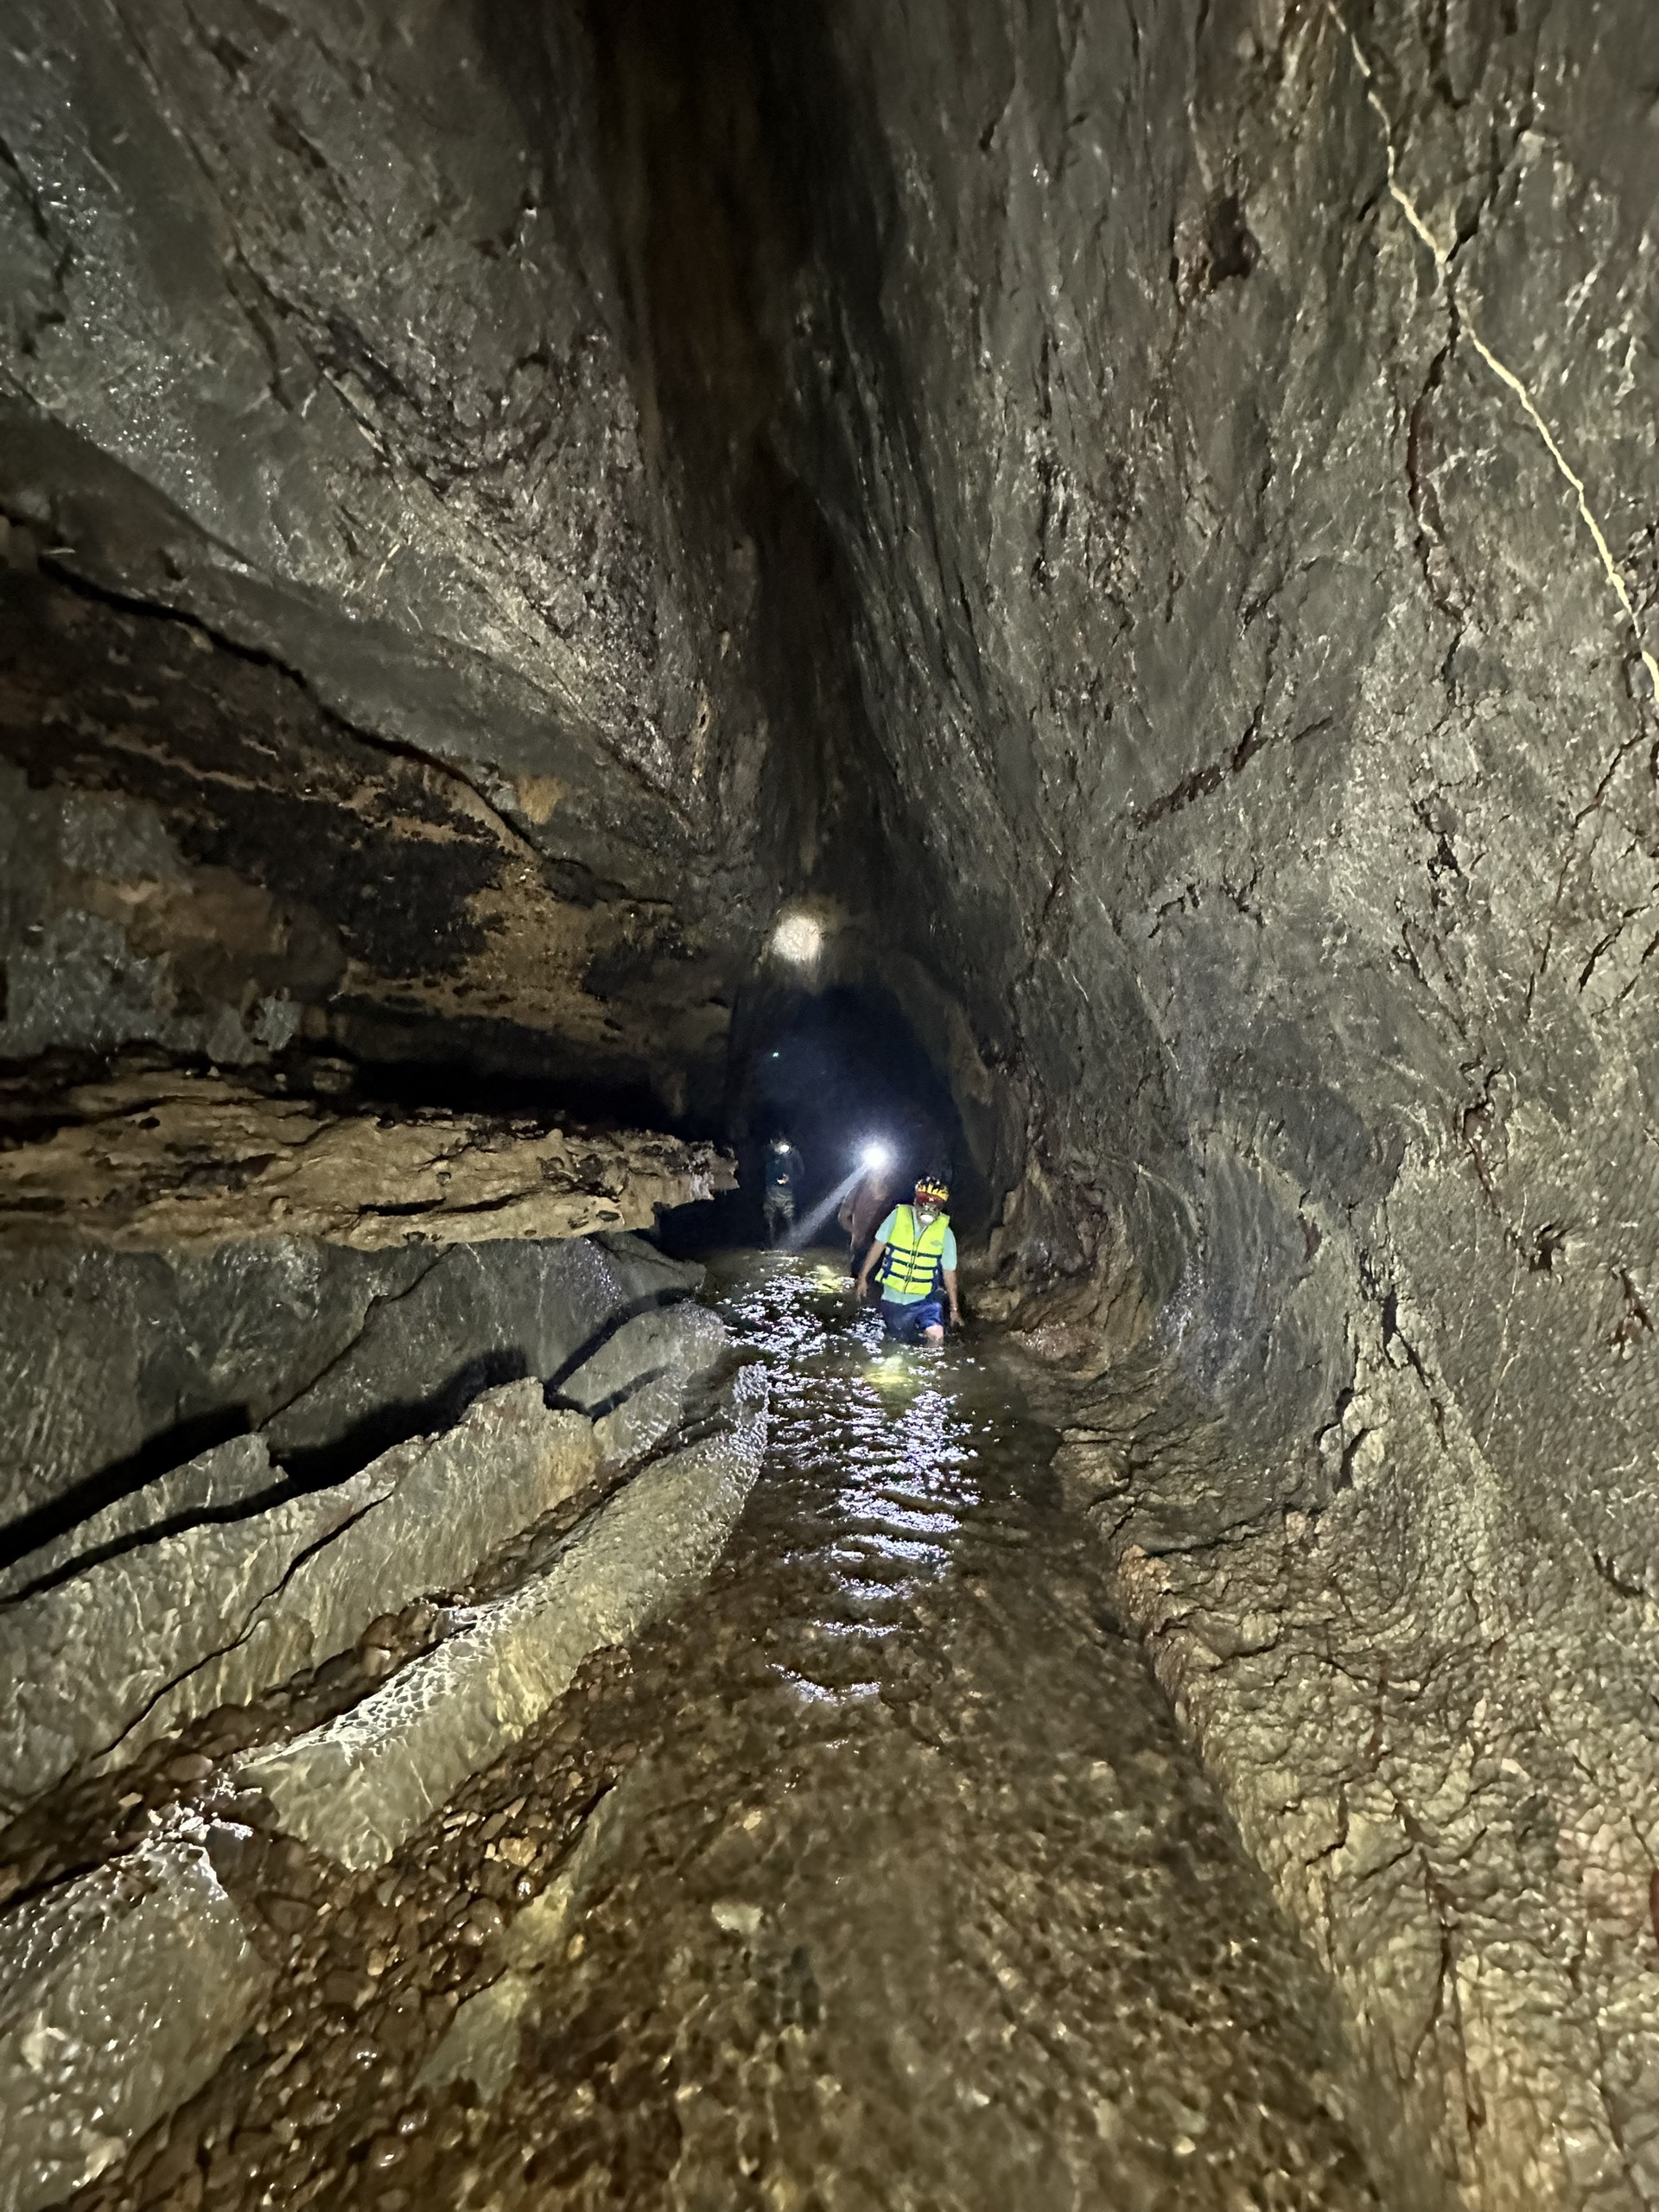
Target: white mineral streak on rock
{"x":360,"y":1787}
{"x":144,"y":1642}
{"x":1443,"y":258}
{"x":120,"y":1995}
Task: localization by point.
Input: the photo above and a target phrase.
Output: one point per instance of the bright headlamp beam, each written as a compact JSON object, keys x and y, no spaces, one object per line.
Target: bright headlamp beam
{"x":798,"y":939}
{"x":876,"y":1157}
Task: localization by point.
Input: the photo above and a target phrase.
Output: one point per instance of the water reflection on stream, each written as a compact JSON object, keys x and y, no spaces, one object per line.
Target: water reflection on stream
{"x":921,"y":1902}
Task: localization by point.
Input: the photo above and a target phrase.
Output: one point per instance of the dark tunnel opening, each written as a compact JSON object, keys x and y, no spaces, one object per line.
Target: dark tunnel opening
{"x":836,"y":1071}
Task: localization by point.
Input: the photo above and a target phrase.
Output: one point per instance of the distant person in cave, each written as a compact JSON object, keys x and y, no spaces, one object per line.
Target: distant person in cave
{"x":914,"y":1258}
{"x":863,"y":1207}
{"x":784,"y":1169}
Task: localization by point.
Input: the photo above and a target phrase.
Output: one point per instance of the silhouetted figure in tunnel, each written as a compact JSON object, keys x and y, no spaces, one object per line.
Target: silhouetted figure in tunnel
{"x":863,"y":1207}
{"x":784,"y":1169}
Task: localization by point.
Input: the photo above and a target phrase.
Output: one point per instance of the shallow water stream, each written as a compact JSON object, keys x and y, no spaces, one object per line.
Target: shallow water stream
{"x":920,"y":1900}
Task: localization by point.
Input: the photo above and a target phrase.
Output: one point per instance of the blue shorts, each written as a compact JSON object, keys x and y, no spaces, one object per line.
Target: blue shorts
{"x":908,"y":1323}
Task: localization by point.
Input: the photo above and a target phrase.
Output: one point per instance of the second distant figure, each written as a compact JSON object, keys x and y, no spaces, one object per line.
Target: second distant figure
{"x":784,"y":1169}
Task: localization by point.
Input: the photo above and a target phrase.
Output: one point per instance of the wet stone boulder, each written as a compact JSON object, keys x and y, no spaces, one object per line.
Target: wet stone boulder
{"x":152,"y":1636}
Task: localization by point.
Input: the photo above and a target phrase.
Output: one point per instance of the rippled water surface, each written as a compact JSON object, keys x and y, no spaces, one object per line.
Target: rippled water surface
{"x":919,"y":1901}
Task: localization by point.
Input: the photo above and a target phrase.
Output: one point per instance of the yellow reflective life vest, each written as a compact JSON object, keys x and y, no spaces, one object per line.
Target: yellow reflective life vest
{"x":914,"y":1256}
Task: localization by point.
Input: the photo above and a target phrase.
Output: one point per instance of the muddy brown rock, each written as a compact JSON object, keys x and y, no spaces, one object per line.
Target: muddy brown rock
{"x":181,"y":1161}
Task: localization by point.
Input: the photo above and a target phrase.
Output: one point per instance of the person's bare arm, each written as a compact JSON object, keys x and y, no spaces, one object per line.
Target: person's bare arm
{"x":951,"y":1292}
{"x":870,"y":1260}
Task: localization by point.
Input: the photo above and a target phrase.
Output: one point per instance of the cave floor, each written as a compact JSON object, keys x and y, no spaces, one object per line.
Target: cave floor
{"x":901,"y":1887}
{"x":921,"y":1902}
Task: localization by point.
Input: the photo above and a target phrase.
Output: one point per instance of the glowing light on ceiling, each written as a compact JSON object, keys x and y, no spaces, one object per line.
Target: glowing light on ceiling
{"x":798,"y":939}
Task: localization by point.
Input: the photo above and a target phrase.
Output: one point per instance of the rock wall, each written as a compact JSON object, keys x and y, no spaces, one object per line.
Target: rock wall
{"x":1237,"y":418}
{"x":121,"y":1366}
{"x":372,"y":665}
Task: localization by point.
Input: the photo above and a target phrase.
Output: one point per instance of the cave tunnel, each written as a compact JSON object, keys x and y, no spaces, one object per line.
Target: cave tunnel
{"x":1064,"y":588}
{"x":839,"y":1073}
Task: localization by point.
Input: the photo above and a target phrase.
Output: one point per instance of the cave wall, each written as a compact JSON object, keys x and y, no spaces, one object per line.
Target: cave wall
{"x":1145,"y":517}
{"x":1272,"y":715}
{"x":1239,"y":420}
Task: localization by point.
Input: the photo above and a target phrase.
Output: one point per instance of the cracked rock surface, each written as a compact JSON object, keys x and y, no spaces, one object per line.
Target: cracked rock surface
{"x":215,"y":1614}
{"x":113,"y":1360}
{"x":1241,"y":430}
{"x":96,"y":2045}
{"x":359,"y":1787}
{"x":95,"y":2042}
{"x":169,"y":1162}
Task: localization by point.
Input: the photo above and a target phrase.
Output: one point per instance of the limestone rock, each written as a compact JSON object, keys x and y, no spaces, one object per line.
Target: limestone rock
{"x":481,"y":2043}
{"x":157,"y":1162}
{"x":143,"y":1642}
{"x":115,"y":1366}
{"x":358,"y":1788}
{"x":635,"y":1386}
{"x":88,"y":1660}
{"x":106,"y":1356}
{"x":481,"y":1313}
{"x":120,"y":1995}
{"x":227,"y":1476}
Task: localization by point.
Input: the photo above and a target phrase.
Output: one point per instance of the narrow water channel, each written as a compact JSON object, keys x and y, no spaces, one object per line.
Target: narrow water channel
{"x":919,"y":1901}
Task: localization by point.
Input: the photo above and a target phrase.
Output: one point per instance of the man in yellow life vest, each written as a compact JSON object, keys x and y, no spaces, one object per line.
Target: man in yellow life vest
{"x":915,"y":1248}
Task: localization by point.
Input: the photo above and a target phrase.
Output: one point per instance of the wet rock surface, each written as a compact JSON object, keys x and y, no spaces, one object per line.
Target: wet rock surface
{"x":92,"y":1958}
{"x":122,"y":1994}
{"x":1421,"y":1702}
{"x":1144,"y":520}
{"x":320,"y":2101}
{"x":842,"y":1941}
{"x":135,"y":1645}
{"x":170,"y":1162}
{"x":635,"y":1386}
{"x":1221,"y":410}
{"x":113,"y":1363}
{"x":358,"y":1788}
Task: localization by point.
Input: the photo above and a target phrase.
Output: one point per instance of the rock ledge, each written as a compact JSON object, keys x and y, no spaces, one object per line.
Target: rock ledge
{"x":156,"y":1162}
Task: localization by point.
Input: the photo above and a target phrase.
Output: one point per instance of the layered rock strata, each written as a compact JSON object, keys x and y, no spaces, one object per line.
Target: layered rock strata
{"x":633,"y":1388}
{"x":181,"y":1162}
{"x":217,"y":1613}
{"x":121,"y":1995}
{"x":117,"y":1368}
{"x":94,"y":2044}
{"x":358,"y":1789}
{"x":379,"y":673}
